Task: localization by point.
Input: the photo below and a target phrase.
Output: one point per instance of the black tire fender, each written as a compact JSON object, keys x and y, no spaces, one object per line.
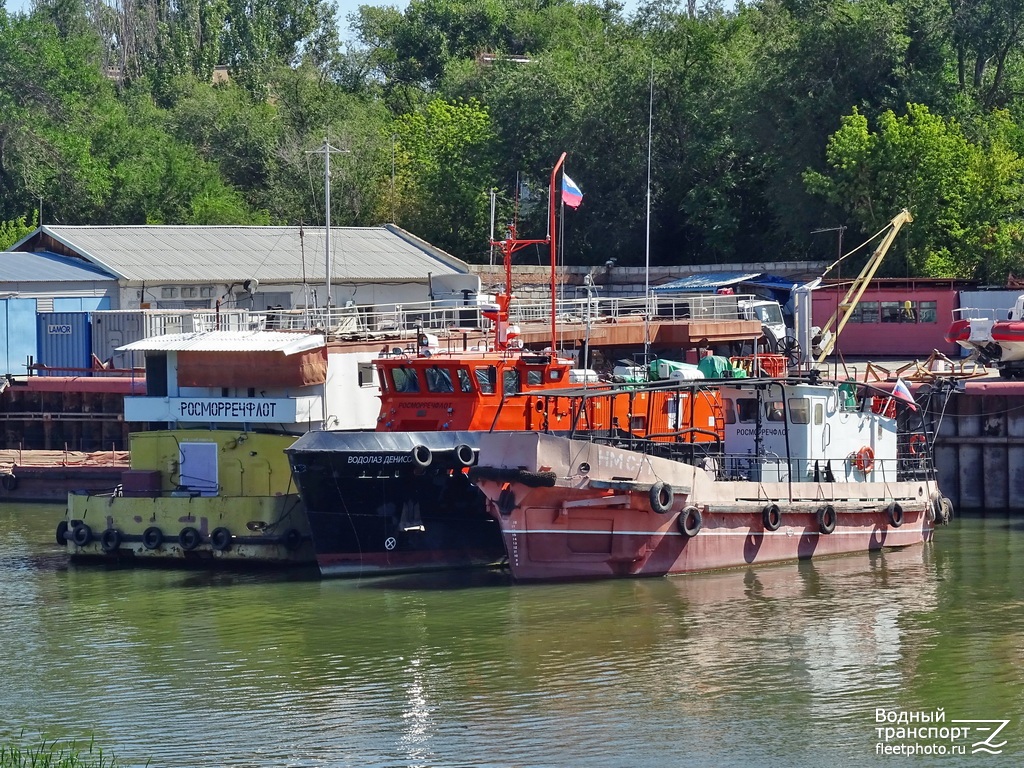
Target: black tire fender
{"x":9,"y":482}
{"x":81,"y":534}
{"x":827,"y":519}
{"x":152,"y":537}
{"x":62,"y":533}
{"x":661,"y":497}
{"x":690,"y":521}
{"x":189,"y":538}
{"x":220,"y":539}
{"x":421,"y":456}
{"x":110,"y":540}
{"x":895,"y":513}
{"x":465,"y":456}
{"x":771,"y":516}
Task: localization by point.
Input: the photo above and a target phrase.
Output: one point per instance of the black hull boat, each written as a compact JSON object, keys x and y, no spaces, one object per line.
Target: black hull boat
{"x":379,"y":504}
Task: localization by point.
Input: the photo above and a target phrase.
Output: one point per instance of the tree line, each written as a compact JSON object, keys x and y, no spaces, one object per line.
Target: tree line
{"x":762,"y":128}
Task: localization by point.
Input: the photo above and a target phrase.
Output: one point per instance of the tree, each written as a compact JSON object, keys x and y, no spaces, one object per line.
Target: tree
{"x":965,"y":193}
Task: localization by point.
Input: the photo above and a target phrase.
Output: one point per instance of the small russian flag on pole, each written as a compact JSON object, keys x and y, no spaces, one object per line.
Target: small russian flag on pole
{"x":902,"y":392}
{"x":571,"y":194}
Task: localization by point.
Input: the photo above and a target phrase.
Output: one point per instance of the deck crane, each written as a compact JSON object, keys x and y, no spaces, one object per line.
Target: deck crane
{"x":859,"y":285}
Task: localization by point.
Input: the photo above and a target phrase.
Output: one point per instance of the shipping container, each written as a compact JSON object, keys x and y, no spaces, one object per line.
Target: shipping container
{"x":64,"y":342}
{"x":17,"y":335}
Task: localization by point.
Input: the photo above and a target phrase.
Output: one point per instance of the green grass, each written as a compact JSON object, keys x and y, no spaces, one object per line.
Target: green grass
{"x":54,"y":754}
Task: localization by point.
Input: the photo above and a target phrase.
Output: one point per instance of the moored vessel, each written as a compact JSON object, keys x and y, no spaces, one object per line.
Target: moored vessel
{"x":795,"y":469}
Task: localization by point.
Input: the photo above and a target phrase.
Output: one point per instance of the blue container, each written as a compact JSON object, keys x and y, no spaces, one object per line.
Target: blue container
{"x":17,"y":335}
{"x":64,"y":342}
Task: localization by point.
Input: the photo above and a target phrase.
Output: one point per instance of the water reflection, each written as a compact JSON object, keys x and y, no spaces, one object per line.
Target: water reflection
{"x":733,"y":668}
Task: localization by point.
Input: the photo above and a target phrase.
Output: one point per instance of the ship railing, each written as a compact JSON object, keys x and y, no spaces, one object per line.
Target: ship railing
{"x":393,"y":318}
{"x":980,"y":313}
{"x":672,"y":306}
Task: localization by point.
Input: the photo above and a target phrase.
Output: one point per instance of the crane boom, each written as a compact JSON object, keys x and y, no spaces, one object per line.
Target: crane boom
{"x":859,"y":285}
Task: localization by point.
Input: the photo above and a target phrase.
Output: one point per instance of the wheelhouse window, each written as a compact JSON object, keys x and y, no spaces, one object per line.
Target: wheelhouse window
{"x":438,"y":379}
{"x":775,"y":411}
{"x":465,"y":382}
{"x":799,"y":410}
{"x":534,"y":377}
{"x":405,"y":379}
{"x":730,"y":410}
{"x":486,"y":379}
{"x":510,"y":382}
{"x":746,"y":407}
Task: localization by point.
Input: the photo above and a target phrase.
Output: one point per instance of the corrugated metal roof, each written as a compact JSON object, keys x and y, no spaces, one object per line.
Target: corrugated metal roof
{"x":706,"y":282}
{"x":20,"y":267}
{"x":228,"y":341}
{"x":186,"y":254}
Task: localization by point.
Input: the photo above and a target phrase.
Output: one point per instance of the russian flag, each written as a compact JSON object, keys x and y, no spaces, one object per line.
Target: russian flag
{"x":571,"y":194}
{"x":902,"y":392}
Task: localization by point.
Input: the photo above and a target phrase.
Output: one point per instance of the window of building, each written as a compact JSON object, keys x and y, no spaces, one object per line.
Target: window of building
{"x":892,"y":312}
{"x":927,"y":312}
{"x":189,"y":292}
{"x":168,"y":292}
{"x":865,"y":312}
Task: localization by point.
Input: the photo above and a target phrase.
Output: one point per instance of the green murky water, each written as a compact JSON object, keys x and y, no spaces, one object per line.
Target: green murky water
{"x":783,"y":665}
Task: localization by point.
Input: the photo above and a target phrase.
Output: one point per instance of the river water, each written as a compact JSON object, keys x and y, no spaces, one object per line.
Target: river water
{"x":812,"y":664}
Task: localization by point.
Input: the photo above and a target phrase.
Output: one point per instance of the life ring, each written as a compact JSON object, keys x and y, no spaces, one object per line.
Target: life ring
{"x":152,"y":537}
{"x":81,"y":534}
{"x":661,"y":497}
{"x":421,"y":456}
{"x":690,"y":521}
{"x":110,"y":540}
{"x":915,"y":440}
{"x":864,"y":459}
{"x":9,"y":482}
{"x":827,"y":519}
{"x":464,"y":455}
{"x":62,"y":533}
{"x":189,"y":538}
{"x":220,"y":539}
{"x":895,"y":512}
{"x":771,"y":516}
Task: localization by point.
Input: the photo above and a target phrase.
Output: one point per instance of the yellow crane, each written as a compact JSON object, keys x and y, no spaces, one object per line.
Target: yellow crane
{"x":859,"y":285}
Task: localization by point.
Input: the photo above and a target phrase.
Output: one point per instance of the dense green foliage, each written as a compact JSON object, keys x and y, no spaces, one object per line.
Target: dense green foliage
{"x":768,"y":121}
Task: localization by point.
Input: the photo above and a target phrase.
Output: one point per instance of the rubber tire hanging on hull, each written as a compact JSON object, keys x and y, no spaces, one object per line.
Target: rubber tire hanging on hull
{"x":421,"y":456}
{"x":9,"y":482}
{"x":62,"y":533}
{"x":152,"y":538}
{"x":661,"y":497}
{"x":220,"y":539}
{"x":81,"y":535}
{"x":771,"y":517}
{"x":827,"y":519}
{"x":189,"y":538}
{"x":895,"y":513}
{"x":110,"y":540}
{"x":464,"y":456}
{"x":690,"y":522}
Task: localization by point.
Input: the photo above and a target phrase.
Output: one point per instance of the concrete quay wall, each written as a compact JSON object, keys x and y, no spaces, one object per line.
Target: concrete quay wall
{"x":979,"y":446}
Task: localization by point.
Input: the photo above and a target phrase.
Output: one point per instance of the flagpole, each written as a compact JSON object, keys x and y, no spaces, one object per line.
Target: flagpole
{"x":551,"y":238}
{"x":647,"y":249}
